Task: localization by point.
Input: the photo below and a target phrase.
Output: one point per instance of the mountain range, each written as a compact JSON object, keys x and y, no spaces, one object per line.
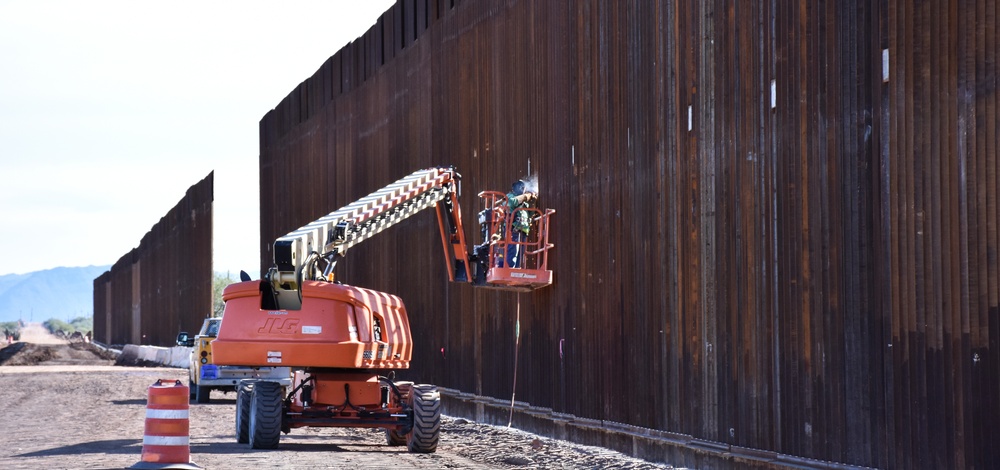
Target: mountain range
{"x":63,"y":293}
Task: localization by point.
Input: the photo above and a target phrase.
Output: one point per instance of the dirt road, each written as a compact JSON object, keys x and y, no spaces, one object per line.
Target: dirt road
{"x":92,"y":416}
{"x":35,"y":333}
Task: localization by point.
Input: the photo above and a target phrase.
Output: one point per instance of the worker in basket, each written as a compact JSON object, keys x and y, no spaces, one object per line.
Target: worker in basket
{"x":518,"y":198}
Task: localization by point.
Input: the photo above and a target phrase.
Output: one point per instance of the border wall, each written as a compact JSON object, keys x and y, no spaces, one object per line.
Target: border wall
{"x":776,"y":227}
{"x":164,"y":286}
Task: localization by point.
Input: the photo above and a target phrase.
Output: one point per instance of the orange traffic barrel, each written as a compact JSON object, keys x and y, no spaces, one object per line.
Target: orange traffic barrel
{"x":166,"y":441}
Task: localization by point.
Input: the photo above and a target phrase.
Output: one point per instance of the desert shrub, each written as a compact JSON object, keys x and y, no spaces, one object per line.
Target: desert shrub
{"x":82,"y":324}
{"x":55,"y":324}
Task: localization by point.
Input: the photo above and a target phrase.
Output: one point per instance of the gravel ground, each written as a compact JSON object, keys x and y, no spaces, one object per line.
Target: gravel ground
{"x":73,"y":414}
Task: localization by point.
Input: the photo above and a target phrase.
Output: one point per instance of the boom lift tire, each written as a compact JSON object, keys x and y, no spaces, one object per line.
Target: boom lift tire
{"x":395,"y":437}
{"x":243,"y":396}
{"x":191,"y":389}
{"x":265,"y":415}
{"x":426,"y":403}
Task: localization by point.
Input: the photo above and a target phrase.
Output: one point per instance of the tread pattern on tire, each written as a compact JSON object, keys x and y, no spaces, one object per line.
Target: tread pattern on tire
{"x":394,"y":438}
{"x":265,"y":415}
{"x":243,"y":395}
{"x":426,"y":402}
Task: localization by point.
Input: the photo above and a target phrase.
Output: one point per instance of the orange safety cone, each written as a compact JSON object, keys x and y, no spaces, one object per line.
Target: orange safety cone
{"x":166,"y":441}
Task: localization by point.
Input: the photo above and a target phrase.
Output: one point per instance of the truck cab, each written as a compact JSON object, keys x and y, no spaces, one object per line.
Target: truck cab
{"x":204,"y":375}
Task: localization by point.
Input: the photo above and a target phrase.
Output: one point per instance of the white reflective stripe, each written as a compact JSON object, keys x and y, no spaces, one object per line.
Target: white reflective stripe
{"x":165,"y":440}
{"x":167,"y":414}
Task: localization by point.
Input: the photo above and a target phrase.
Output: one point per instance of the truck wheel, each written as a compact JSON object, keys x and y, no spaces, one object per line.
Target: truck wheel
{"x":426,"y":403}
{"x":202,"y":393}
{"x":191,"y":389}
{"x":243,"y":394}
{"x":265,"y":415}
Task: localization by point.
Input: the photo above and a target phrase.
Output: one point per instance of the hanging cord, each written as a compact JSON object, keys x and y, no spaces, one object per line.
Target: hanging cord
{"x":517,"y":347}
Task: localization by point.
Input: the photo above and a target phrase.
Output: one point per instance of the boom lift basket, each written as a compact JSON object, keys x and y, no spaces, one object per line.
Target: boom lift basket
{"x":532,"y":272}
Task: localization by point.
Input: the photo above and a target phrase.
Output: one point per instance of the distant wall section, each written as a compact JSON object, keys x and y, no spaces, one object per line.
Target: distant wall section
{"x":164,"y":285}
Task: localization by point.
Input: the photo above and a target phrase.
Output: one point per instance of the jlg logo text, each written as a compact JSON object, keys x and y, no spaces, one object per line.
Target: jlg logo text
{"x":285,"y":326}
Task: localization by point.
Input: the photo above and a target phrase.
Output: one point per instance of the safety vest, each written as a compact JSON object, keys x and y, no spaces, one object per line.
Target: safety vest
{"x":522,"y":222}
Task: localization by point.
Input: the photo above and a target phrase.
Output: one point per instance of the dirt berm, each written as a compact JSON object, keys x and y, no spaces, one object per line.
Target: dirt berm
{"x":30,"y":354}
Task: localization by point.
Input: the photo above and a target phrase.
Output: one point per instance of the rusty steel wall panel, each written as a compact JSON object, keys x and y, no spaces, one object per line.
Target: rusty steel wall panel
{"x":765,"y":238}
{"x":943,"y":191}
{"x":163,"y":286}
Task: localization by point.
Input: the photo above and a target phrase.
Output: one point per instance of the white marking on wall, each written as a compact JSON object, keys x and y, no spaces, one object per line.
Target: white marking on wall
{"x":885,"y":65}
{"x":774,"y":94}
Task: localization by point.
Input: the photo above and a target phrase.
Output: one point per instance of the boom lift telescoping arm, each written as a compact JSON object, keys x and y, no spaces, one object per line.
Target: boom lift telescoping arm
{"x":310,"y":253}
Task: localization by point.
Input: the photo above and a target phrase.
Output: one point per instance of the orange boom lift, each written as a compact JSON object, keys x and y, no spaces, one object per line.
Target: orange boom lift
{"x":343,"y":342}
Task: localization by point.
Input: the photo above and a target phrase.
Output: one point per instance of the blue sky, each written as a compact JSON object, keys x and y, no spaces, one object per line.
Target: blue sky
{"x":110,"y":110}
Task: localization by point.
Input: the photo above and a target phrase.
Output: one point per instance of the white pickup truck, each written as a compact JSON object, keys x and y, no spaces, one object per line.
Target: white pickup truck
{"x":204,"y":375}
